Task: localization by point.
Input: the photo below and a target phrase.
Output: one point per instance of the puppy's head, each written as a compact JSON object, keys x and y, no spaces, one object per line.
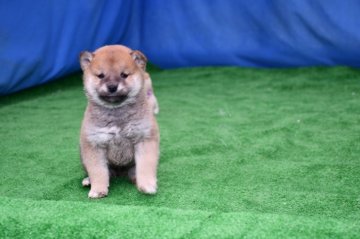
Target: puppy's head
{"x":113,"y":75}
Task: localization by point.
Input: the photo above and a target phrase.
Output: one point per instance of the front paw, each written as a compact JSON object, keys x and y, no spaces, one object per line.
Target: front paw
{"x":97,"y":193}
{"x":148,"y":187}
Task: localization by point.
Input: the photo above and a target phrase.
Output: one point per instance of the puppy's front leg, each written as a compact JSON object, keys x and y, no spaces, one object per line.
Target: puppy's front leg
{"x":146,"y":160}
{"x":95,"y":164}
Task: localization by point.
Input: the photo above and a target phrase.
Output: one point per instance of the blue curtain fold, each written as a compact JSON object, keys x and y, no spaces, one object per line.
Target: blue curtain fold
{"x":41,"y":40}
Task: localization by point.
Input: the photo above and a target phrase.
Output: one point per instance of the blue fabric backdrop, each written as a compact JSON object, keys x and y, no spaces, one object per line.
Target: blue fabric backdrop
{"x":40,"y":40}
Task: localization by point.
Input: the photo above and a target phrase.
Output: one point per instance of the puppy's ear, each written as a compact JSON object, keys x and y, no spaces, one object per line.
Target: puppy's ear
{"x":85,"y":59}
{"x":139,"y":58}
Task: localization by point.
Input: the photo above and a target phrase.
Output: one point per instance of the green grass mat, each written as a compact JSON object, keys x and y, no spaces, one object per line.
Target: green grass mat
{"x":244,"y":153}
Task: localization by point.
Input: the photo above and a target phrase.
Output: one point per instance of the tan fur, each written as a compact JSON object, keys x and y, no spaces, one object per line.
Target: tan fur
{"x":119,"y":130}
{"x":150,"y":92}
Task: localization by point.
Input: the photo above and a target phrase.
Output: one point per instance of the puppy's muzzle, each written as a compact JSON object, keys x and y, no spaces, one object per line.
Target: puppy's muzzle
{"x":113,"y":95}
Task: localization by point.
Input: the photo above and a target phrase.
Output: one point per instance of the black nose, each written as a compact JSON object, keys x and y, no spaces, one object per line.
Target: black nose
{"x":112,"y":88}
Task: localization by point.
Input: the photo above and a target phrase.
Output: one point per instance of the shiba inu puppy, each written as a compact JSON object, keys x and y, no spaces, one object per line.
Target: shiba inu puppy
{"x":119,"y":131}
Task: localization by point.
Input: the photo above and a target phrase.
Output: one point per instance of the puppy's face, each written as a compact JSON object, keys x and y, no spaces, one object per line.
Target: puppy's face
{"x":113,"y":75}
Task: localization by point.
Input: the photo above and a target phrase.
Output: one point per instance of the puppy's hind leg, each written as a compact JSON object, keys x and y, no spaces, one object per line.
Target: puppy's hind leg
{"x":131,"y":175}
{"x":86,"y":182}
{"x":146,"y":160}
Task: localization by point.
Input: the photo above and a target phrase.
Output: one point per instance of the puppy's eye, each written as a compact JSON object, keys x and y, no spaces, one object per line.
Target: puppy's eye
{"x":124,"y":75}
{"x":101,"y":75}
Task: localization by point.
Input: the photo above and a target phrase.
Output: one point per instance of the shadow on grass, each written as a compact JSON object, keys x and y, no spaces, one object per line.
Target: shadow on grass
{"x":63,"y":83}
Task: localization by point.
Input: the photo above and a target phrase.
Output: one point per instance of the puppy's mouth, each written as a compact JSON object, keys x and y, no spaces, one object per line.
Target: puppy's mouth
{"x":113,"y":99}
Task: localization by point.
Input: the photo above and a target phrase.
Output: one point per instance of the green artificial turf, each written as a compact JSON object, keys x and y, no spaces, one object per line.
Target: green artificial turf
{"x":244,"y":153}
